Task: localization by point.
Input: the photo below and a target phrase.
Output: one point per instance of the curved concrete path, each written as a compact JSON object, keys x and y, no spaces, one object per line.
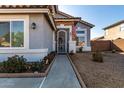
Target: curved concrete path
{"x":61,"y":75}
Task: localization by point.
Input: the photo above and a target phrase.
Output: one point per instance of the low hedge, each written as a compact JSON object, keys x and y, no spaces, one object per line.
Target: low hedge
{"x":19,"y":64}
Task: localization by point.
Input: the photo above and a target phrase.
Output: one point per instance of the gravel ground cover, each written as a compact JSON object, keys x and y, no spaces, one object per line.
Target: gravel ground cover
{"x":109,"y":74}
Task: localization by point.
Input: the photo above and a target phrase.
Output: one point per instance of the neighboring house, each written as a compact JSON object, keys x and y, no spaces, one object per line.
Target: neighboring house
{"x":113,"y":38}
{"x":98,"y":38}
{"x":36,"y":30}
{"x":114,"y":31}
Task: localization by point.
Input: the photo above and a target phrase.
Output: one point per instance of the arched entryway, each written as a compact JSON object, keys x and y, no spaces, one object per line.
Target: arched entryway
{"x":62,"y":41}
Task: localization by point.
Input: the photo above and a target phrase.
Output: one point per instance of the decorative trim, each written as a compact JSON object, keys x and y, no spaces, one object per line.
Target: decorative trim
{"x":65,"y":20}
{"x":24,"y":10}
{"x":22,"y":51}
{"x":67,"y":27}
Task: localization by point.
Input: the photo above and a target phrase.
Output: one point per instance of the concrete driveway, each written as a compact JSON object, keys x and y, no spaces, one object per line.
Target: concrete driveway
{"x":20,"y":82}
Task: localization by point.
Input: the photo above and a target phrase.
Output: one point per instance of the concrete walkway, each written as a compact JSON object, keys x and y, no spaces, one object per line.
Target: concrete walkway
{"x":20,"y":82}
{"x":61,"y":75}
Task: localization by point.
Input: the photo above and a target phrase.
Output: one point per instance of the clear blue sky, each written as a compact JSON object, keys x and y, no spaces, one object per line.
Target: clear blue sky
{"x":100,"y":16}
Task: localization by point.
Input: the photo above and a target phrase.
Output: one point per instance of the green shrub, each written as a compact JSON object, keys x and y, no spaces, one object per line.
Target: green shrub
{"x":97,"y":56}
{"x":15,"y":64}
{"x":1,"y":64}
{"x":39,"y":66}
{"x":48,"y":59}
{"x":36,"y":66}
{"x":18,"y":64}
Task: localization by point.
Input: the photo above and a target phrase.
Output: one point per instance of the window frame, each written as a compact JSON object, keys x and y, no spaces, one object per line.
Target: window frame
{"x":81,"y":37}
{"x":122,"y":27}
{"x":106,"y":32}
{"x":10,"y":21}
{"x":84,"y":39}
{"x":80,"y":31}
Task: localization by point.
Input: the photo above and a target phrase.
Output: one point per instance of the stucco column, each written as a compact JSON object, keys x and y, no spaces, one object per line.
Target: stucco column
{"x":54,"y":42}
{"x":70,"y":34}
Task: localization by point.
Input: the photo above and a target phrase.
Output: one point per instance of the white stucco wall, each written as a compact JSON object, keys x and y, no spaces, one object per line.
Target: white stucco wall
{"x":87,"y":35}
{"x":42,"y":36}
{"x":36,"y":36}
{"x":48,"y":35}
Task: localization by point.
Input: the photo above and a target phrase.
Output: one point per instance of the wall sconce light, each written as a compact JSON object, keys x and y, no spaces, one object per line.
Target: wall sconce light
{"x":33,"y":25}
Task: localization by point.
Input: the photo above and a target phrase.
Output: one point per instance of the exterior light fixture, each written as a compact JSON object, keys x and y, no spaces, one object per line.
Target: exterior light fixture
{"x":33,"y":25}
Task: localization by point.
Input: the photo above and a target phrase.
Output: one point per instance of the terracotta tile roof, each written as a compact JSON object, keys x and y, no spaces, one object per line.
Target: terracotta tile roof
{"x":72,"y":17}
{"x":75,"y":19}
{"x":44,"y":6}
{"x":115,"y":24}
{"x":22,"y":6}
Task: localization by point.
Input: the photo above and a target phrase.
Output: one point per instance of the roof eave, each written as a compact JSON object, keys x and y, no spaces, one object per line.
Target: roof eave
{"x":65,"y":14}
{"x":115,"y":24}
{"x":67,"y":19}
{"x":88,"y":24}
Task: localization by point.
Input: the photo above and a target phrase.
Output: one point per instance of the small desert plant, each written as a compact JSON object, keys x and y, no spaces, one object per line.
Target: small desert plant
{"x":81,"y":49}
{"x":113,"y":51}
{"x":97,"y":56}
{"x":71,"y":52}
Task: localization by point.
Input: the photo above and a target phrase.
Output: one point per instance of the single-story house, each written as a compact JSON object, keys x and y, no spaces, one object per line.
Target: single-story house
{"x":35,"y":30}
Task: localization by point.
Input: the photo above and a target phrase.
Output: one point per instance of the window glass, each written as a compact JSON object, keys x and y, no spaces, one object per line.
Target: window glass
{"x":106,"y":32}
{"x":80,"y":32}
{"x":17,"y":33}
{"x":4,"y":34}
{"x":12,"y":34}
{"x":80,"y":41}
{"x":122,"y":27}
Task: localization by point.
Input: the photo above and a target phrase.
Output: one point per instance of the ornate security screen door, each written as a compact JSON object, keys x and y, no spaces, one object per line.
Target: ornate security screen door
{"x":62,"y":42}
